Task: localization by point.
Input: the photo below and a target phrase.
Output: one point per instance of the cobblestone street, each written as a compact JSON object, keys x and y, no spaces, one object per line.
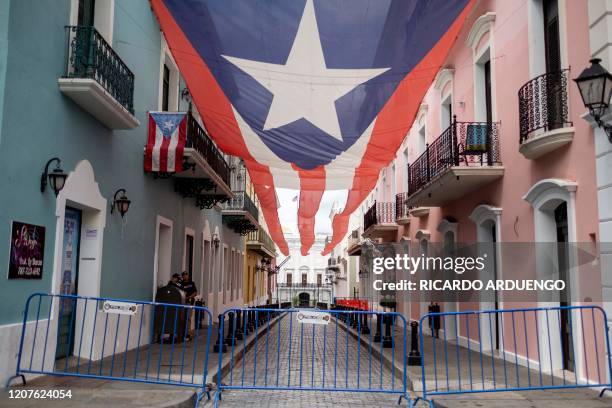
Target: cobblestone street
{"x":298,"y":356}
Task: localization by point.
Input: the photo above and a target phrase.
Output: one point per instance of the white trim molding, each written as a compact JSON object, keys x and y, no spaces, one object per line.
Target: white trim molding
{"x":422,"y":234}
{"x":447,"y":226}
{"x":485,"y":212}
{"x":83,"y":192}
{"x":542,"y":191}
{"x":421,"y":113}
{"x":444,"y":76}
{"x":480,"y":27}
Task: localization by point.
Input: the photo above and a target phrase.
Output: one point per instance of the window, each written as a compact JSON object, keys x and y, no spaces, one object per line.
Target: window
{"x":446,"y":113}
{"x":97,"y":13}
{"x":406,"y":166}
{"x":551,"y":35}
{"x":169,"y":81}
{"x":319,"y":279}
{"x":165,"y":88}
{"x":289,"y":279}
{"x":487,"y":85}
{"x":304,"y":278}
{"x":206,"y":268}
{"x":188,"y":252}
{"x":86,"y":12}
{"x":422,"y":140}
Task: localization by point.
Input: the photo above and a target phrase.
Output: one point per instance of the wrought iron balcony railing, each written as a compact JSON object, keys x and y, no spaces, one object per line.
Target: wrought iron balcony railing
{"x":543,"y":104}
{"x":90,"y":56}
{"x":299,"y":285}
{"x":262,"y":237}
{"x":402,"y":210}
{"x":379,"y":213}
{"x":461,"y":144}
{"x":198,"y":139}
{"x":354,"y":238}
{"x":241,"y":202}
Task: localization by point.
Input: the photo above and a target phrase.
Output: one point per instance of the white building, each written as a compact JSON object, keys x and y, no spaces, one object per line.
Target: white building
{"x":302,"y":279}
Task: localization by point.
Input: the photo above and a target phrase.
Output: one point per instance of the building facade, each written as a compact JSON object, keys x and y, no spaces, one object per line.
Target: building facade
{"x":499,"y":154}
{"x":55,"y":103}
{"x":302,"y":280}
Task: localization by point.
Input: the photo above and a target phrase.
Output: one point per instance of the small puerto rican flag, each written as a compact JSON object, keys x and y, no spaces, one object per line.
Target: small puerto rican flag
{"x":166,"y":142}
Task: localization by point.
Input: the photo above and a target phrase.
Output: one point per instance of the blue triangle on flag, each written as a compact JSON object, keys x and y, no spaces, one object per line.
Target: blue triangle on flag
{"x":167,"y":122}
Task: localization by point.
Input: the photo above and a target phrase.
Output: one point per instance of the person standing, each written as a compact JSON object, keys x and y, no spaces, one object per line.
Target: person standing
{"x":189,"y":287}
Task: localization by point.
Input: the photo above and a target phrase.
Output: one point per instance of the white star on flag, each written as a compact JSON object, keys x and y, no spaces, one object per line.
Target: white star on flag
{"x":314,"y":99}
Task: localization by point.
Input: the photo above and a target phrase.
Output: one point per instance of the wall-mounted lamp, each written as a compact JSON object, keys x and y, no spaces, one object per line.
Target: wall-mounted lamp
{"x":121,"y":204}
{"x":216,"y":241}
{"x":595,"y":85}
{"x":57,"y":178}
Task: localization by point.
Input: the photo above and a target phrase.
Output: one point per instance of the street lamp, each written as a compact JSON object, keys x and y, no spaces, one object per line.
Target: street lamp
{"x":121,"y":204}
{"x":57,"y":178}
{"x":595,"y":85}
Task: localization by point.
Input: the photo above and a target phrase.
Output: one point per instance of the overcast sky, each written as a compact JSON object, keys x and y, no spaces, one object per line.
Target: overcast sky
{"x":287,"y":212}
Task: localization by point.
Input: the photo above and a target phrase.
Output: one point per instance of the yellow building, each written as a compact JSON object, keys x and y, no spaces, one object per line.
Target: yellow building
{"x":259,"y":255}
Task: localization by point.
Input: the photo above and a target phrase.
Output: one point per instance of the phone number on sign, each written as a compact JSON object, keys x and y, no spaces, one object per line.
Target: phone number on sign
{"x":40,"y":394}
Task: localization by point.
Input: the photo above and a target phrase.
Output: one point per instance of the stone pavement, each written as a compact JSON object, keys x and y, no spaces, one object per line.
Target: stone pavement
{"x":310,"y":356}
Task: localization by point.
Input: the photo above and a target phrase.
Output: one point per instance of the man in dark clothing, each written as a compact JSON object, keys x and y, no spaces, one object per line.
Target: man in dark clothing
{"x":176,"y":281}
{"x":189,"y":287}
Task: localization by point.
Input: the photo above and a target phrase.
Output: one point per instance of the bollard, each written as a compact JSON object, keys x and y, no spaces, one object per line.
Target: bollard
{"x":377,"y":335}
{"x":365,"y":329}
{"x":414,"y":358}
{"x":239,"y":329}
{"x":220,"y":344}
{"x":230,"y":339}
{"x":387,"y":339}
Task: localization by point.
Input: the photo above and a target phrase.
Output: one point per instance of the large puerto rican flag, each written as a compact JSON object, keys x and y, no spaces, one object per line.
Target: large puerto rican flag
{"x":313,"y":94}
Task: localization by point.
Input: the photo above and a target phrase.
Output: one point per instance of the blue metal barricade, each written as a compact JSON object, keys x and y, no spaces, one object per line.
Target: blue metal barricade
{"x":313,"y":350}
{"x":514,"y":350}
{"x":114,"y":339}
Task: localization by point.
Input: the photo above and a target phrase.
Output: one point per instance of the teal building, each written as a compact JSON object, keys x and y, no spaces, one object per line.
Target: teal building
{"x":77,"y":80}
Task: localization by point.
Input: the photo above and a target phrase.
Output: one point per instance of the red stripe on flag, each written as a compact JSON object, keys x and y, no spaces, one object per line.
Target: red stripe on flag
{"x":217,"y":113}
{"x":312,"y":186}
{"x":180,"y":147}
{"x":392,"y":125}
{"x":148,"y":161}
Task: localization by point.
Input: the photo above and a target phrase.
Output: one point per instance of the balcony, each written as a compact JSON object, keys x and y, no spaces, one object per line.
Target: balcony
{"x":240,"y":213}
{"x":207,"y":178}
{"x":334,"y":263}
{"x":543,"y":115}
{"x":379,"y":221}
{"x":464,"y":158}
{"x":97,"y":80}
{"x":402,"y":210}
{"x":354,"y":243}
{"x":260,"y":242}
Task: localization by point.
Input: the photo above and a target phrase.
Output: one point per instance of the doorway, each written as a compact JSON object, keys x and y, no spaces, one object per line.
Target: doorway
{"x":304,"y":299}
{"x":567,"y":346}
{"x":163,"y":252}
{"x":69,"y":282}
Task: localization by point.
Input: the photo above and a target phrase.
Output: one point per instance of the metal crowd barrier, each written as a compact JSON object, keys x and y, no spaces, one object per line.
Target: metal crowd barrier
{"x":113,"y":339}
{"x":342,"y":351}
{"x":514,"y":350}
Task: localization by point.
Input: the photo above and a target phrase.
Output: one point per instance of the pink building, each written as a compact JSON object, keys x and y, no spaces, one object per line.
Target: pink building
{"x":518,"y":166}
